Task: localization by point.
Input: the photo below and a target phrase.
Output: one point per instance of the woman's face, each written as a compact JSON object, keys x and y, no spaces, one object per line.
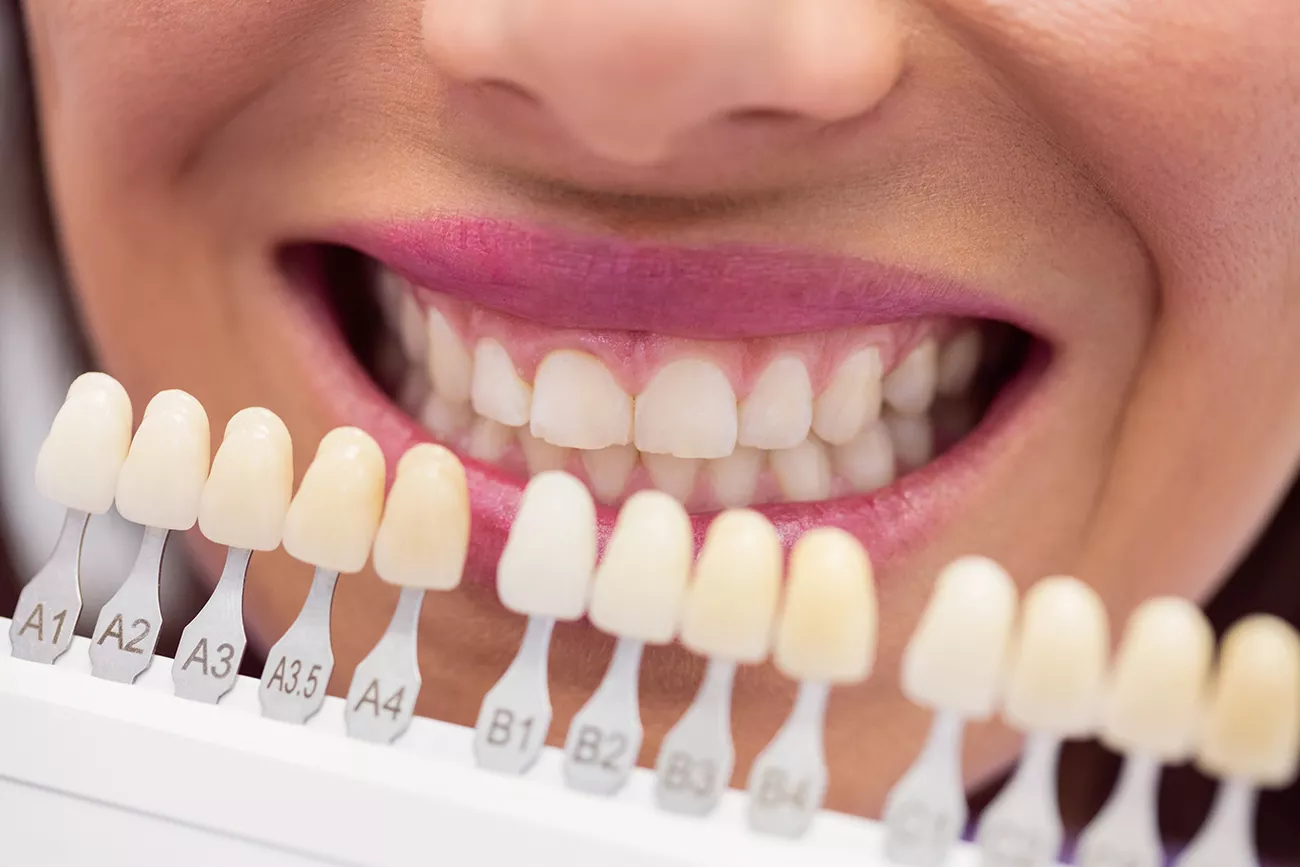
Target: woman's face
{"x":736,"y":182}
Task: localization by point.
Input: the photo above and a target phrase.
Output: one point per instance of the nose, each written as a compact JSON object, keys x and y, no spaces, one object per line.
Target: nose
{"x":628,"y":78}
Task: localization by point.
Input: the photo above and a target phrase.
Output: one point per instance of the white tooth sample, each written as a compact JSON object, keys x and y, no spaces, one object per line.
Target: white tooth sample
{"x":956,"y":658}
{"x":248,"y":490}
{"x":910,"y":387}
{"x":827,"y":629}
{"x":541,"y":455}
{"x":83,"y":453}
{"x":333,"y":517}
{"x":777,"y":414}
{"x":913,"y":438}
{"x":445,"y":419}
{"x":852,"y":398}
{"x":803,"y":472}
{"x":161,"y":481}
{"x":826,"y":634}
{"x":867,"y":460}
{"x":638,"y":588}
{"x":673,"y":476}
{"x":424,"y":532}
{"x":954,"y":664}
{"x":1054,"y":691}
{"x":497,"y":391}
{"x":959,"y":359}
{"x":488,"y":440}
{"x":1153,"y":708}
{"x":550,"y":555}
{"x":450,"y":366}
{"x":577,"y":403}
{"x":731,"y":604}
{"x":735,"y":477}
{"x":688,"y":410}
{"x":608,"y":470}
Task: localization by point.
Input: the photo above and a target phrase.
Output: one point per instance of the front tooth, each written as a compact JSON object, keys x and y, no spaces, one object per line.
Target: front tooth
{"x":955,"y":660}
{"x":639,"y":585}
{"x":1059,"y":665}
{"x":958,"y":361}
{"x":79,"y":462}
{"x":577,"y":403}
{"x":248,"y":490}
{"x":541,"y":455}
{"x":804,"y":472}
{"x":333,"y":517}
{"x":778,"y":412}
{"x":851,"y":400}
{"x":673,"y":476}
{"x":450,"y":367}
{"x":866,"y":461}
{"x":730,"y":607}
{"x":735,"y":477}
{"x":910,"y":387}
{"x":445,"y":419}
{"x":913,"y":437}
{"x":1253,"y":719}
{"x":687,"y":410}
{"x":608,"y":470}
{"x":162,"y":478}
{"x":547,"y":563}
{"x":497,"y":391}
{"x":1157,"y":687}
{"x":488,"y":440}
{"x":424,"y":534}
{"x":827,"y":629}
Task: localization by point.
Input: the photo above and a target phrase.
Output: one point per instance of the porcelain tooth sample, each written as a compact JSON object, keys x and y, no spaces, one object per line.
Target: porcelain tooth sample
{"x":728,"y":616}
{"x":159,"y":487}
{"x":954,"y":665}
{"x":77,"y":467}
{"x":421,"y":545}
{"x":637,"y":596}
{"x":243,"y":507}
{"x":1249,"y":738}
{"x":331,"y":524}
{"x":1054,"y":691}
{"x":826,"y":635}
{"x":1154,"y":703}
{"x":545,"y":573}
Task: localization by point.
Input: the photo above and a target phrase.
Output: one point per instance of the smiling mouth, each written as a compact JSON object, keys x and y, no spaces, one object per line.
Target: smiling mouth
{"x":806,"y":387}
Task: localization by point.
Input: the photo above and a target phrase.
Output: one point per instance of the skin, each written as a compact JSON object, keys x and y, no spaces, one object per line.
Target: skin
{"x":1130,"y":180}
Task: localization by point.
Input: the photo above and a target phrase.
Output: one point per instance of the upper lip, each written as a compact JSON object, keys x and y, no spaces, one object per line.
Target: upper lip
{"x":729,"y":291}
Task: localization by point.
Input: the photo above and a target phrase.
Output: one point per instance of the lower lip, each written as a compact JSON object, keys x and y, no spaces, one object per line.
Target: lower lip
{"x":890,"y":522}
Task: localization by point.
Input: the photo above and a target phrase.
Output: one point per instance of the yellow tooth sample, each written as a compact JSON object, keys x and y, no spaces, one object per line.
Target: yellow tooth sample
{"x":956,"y":658}
{"x":1253,"y":722}
{"x":547,"y":563}
{"x":333,"y":518}
{"x":424,"y":533}
{"x":1157,"y":687}
{"x":827,"y":630}
{"x":1059,"y":663}
{"x":731,"y":604}
{"x":162,"y":479}
{"x":640,"y":582}
{"x":79,"y":462}
{"x":248,"y":490}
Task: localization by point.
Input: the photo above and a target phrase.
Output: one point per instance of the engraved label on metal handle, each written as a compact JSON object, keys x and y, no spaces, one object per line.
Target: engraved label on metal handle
{"x":604,"y":739}
{"x":1022,"y":825}
{"x":697,"y":755}
{"x":925,"y":812}
{"x":516,"y":713}
{"x":1126,"y":833}
{"x":1227,"y":836}
{"x":299,"y":665}
{"x":50,"y":604}
{"x":788,"y":780}
{"x":381,"y":699}
{"x":122,"y":644}
{"x":212,"y":645}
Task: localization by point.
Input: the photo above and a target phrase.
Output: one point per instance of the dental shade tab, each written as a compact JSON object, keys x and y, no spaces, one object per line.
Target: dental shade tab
{"x":159,"y":487}
{"x":421,"y":545}
{"x":243,"y":507}
{"x":78,"y":467}
{"x":331,"y":525}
